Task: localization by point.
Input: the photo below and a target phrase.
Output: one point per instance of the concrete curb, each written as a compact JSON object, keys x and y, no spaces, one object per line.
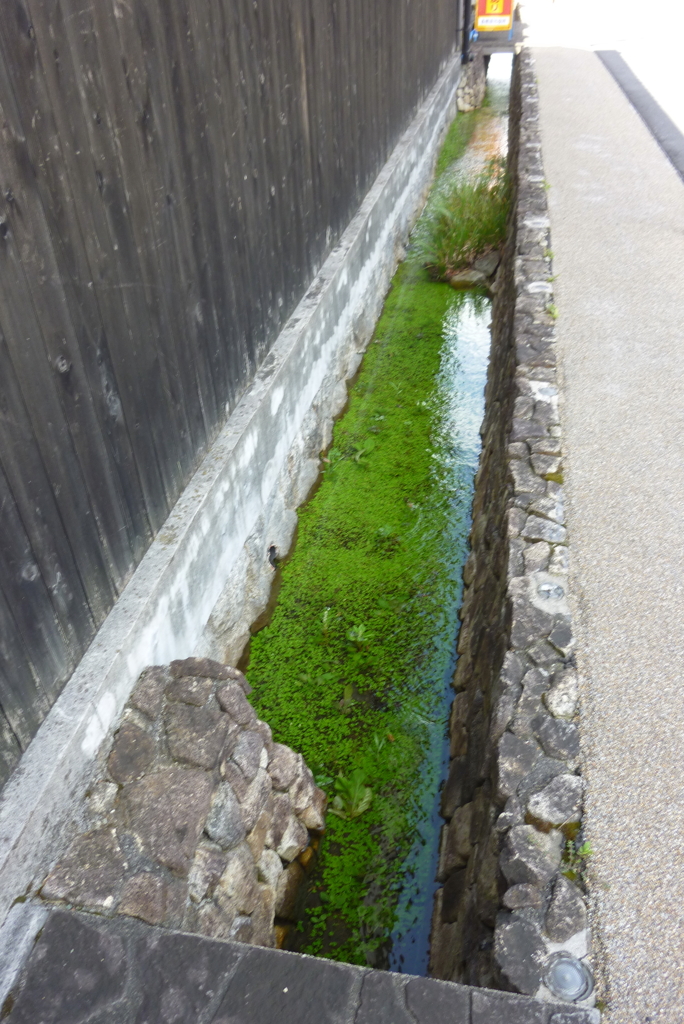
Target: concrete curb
{"x":662,"y":128}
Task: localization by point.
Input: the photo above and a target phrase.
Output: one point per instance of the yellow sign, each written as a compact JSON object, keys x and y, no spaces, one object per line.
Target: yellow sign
{"x":494,"y":16}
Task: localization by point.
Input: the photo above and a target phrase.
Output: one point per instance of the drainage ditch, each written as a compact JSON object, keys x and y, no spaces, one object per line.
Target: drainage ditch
{"x":197,"y":820}
{"x":353,"y":663}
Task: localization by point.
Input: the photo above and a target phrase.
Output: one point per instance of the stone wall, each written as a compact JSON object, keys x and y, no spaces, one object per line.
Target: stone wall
{"x":199,"y":821}
{"x":510,"y":859}
{"x":473,"y":84}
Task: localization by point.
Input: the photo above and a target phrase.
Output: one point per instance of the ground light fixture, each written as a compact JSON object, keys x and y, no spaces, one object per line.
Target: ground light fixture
{"x":568,"y":978}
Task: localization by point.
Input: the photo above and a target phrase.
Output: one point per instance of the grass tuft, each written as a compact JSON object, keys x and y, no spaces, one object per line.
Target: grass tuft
{"x":468,"y":220}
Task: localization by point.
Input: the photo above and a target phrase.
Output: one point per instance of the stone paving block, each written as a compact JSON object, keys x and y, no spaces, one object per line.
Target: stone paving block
{"x":232,"y":699}
{"x":189,"y":690}
{"x":75,"y":970}
{"x":530,"y":856}
{"x":203,"y":667}
{"x":576,"y":1015}
{"x":247,"y":753}
{"x":283,"y":766}
{"x":148,"y":692}
{"x":559,"y":802}
{"x":562,"y":698}
{"x":195,"y":734}
{"x":432,"y":1002}
{"x":520,"y":952}
{"x":92,"y":970}
{"x":523,"y":895}
{"x":382,"y":1000}
{"x":567,"y":914}
{"x":224,"y":824}
{"x":558,"y":738}
{"x":490,"y":1007}
{"x":272,"y":988}
{"x":179,"y":977}
{"x":144,"y":897}
{"x":516,"y":759}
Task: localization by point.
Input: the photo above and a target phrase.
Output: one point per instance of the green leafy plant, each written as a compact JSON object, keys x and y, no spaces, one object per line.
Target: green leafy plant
{"x":322,"y":779}
{"x":378,"y":743}
{"x":574,"y":857}
{"x":468,"y":221}
{"x":359,"y":636}
{"x":332,"y":459}
{"x":361,"y":453}
{"x":457,"y":138}
{"x":353,"y":796}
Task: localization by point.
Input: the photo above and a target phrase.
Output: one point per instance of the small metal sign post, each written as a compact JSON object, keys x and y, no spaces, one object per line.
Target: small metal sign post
{"x":494,"y":16}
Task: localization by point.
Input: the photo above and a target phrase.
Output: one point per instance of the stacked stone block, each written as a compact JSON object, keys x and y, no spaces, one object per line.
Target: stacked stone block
{"x":513,"y":797}
{"x":200,"y":821}
{"x":472,"y":85}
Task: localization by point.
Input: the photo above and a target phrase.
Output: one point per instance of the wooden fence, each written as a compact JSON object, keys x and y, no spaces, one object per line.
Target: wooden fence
{"x":172,"y":175}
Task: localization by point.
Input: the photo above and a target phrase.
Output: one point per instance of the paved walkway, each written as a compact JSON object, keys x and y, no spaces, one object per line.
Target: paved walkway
{"x":617,"y":224}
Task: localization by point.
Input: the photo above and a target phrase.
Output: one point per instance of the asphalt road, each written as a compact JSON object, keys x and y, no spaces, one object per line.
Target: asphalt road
{"x":617,"y":229}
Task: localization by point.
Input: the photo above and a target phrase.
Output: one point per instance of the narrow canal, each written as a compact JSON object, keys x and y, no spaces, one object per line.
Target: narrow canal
{"x":354,"y":665}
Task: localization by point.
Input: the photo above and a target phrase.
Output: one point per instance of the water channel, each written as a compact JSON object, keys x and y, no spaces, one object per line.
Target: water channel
{"x":354,"y":664}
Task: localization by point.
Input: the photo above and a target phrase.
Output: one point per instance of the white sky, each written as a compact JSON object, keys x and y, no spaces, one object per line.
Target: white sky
{"x":647,"y":36}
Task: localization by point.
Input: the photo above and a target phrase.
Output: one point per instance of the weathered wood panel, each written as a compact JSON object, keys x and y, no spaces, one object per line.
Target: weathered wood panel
{"x":172,"y":175}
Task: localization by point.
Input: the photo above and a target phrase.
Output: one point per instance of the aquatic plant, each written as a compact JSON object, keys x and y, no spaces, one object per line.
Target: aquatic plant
{"x":343,"y":667}
{"x":350,"y":669}
{"x":466,"y":220}
{"x":353,"y":796}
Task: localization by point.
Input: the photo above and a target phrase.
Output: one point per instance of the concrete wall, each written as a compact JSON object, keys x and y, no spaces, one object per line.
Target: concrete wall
{"x":241,"y":500}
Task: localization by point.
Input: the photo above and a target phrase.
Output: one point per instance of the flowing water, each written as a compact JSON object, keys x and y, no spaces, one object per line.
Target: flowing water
{"x":463,"y":376}
{"x":354,"y":665}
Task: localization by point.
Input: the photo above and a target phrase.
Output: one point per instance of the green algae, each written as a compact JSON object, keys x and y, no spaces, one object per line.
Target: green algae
{"x":356,"y":612}
{"x":351,"y":668}
{"x":457,"y":138}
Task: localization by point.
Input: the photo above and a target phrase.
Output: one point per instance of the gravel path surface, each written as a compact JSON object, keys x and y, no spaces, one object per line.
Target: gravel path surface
{"x":617,"y":228}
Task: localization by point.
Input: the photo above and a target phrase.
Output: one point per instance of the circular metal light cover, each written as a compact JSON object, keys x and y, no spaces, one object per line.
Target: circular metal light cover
{"x":568,"y":978}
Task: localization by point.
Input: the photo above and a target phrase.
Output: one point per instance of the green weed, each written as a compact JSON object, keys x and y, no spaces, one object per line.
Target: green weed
{"x":353,"y":796}
{"x":466,"y":221}
{"x":574,"y":857}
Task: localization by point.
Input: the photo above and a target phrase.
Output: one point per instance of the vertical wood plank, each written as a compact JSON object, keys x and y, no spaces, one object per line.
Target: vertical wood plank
{"x":172,"y":175}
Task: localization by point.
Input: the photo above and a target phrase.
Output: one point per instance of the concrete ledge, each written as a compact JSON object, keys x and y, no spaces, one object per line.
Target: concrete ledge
{"x":165,"y":608}
{"x":85,"y":968}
